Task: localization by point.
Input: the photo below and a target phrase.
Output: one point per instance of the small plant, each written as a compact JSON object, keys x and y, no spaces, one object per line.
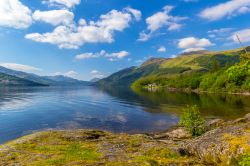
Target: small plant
{"x":192,"y":121}
{"x":245,"y":160}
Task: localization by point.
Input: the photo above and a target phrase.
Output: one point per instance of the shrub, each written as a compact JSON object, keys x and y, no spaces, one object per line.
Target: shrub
{"x":207,"y":81}
{"x":194,"y":81}
{"x":192,"y":120}
{"x":238,"y":73}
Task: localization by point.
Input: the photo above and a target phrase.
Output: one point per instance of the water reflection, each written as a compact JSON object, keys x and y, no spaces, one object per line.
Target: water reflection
{"x":117,"y":109}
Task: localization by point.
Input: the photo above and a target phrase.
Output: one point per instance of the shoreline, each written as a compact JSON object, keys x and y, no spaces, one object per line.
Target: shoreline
{"x":97,"y":147}
{"x":197,"y":91}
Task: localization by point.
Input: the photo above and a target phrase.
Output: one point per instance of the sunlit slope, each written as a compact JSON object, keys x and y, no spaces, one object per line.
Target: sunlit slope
{"x":201,"y":61}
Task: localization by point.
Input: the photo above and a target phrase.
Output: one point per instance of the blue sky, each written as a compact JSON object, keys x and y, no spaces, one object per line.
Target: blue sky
{"x":94,"y":38}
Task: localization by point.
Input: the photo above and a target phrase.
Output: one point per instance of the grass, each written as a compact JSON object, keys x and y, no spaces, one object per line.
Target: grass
{"x":52,"y":149}
{"x":86,"y":148}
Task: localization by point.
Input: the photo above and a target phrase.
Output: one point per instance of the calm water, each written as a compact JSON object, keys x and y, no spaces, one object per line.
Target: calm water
{"x":23,"y":111}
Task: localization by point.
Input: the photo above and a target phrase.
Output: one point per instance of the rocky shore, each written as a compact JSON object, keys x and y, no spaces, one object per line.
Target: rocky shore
{"x":224,"y":143}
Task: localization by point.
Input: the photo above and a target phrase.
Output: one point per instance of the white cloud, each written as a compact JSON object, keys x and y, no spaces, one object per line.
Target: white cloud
{"x":66,"y":3}
{"x":72,"y":37}
{"x":54,"y":17}
{"x":136,"y":13}
{"x":162,"y":49}
{"x":87,"y":55}
{"x":220,"y":34}
{"x":111,"y":56}
{"x":20,"y":67}
{"x":243,"y":34}
{"x":194,"y":44}
{"x":157,"y":21}
{"x":228,"y":9}
{"x":71,"y":74}
{"x":221,"y":30}
{"x":160,"y":20}
{"x":192,"y":50}
{"x":97,"y":74}
{"x":14,"y":14}
{"x":144,"y":36}
{"x":94,"y":72}
{"x":117,"y":55}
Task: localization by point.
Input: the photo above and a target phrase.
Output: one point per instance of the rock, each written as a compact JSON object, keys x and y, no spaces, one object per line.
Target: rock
{"x":222,"y":145}
{"x":247,"y":116}
{"x":245,"y":119}
{"x":214,"y":123}
{"x":177,"y":133}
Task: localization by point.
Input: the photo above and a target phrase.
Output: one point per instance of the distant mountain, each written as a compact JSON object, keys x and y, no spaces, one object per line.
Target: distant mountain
{"x":8,"y":80}
{"x":64,"y":81}
{"x":43,"y":80}
{"x":95,"y":80}
{"x":198,"y":61}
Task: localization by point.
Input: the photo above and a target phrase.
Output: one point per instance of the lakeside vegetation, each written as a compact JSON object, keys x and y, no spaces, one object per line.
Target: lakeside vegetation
{"x":234,"y":78}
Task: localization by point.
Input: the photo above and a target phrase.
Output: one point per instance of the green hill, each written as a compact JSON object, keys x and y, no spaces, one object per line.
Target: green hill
{"x":161,"y":69}
{"x":127,"y":76}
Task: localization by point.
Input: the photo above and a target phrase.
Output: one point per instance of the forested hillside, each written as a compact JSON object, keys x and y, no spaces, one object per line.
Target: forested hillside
{"x":190,"y":70}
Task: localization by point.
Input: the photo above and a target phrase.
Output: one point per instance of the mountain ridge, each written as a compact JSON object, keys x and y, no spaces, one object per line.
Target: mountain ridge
{"x":198,"y":61}
{"x":58,"y":80}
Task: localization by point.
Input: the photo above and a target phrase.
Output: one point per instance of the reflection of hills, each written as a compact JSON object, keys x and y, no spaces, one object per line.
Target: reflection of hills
{"x":212,"y":105}
{"x":16,"y":98}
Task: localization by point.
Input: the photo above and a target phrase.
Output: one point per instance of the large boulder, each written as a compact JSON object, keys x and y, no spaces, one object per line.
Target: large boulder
{"x":222,"y":145}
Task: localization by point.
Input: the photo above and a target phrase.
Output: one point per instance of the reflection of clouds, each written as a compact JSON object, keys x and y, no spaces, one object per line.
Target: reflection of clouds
{"x":14,"y":104}
{"x":80,"y":116}
{"x":164,"y":122}
{"x":119,"y":117}
{"x":69,"y":125}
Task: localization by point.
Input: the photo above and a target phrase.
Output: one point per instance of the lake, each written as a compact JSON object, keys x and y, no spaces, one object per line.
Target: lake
{"x":26,"y":110}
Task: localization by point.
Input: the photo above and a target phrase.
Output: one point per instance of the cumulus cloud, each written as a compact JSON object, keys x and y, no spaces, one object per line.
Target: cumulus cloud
{"x":243,"y":34}
{"x":228,"y":9}
{"x":110,"y":56}
{"x":54,"y":17}
{"x":66,"y":3}
{"x":190,"y":44}
{"x":101,"y":31}
{"x":160,"y":20}
{"x":20,"y":67}
{"x":14,"y":14}
{"x":162,"y":49}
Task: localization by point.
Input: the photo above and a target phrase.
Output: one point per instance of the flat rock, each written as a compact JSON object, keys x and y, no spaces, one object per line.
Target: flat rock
{"x":214,"y":123}
{"x":177,"y":133}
